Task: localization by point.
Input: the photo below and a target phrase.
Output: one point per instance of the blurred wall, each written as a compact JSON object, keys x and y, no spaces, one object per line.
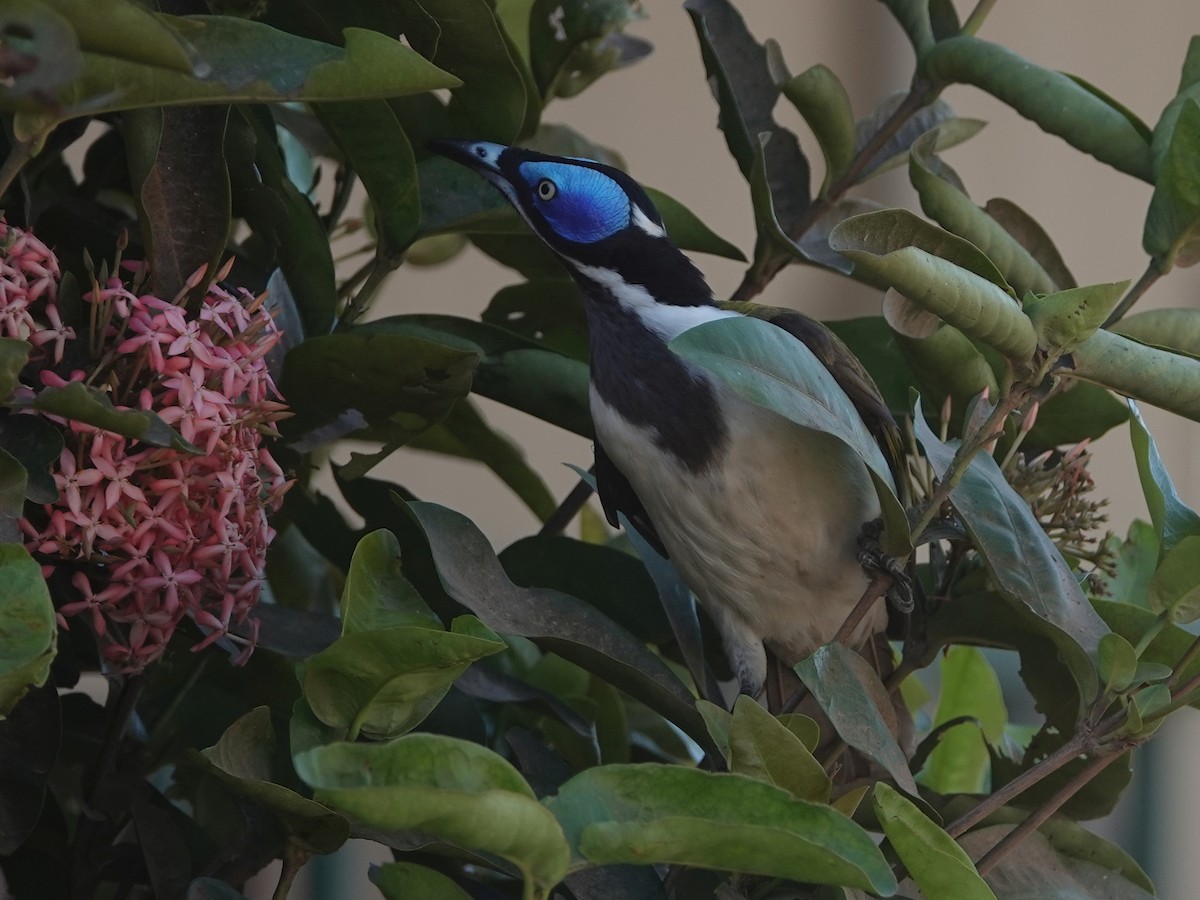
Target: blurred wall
{"x":660,"y":116}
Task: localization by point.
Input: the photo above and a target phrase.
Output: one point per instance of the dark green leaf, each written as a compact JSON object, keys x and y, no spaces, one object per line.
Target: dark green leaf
{"x":454,"y":790}
{"x":547,"y":310}
{"x":212,"y":889}
{"x":746,"y":93}
{"x":1079,"y":412}
{"x":13,"y":356}
{"x":1175,"y":586}
{"x":763,"y":748}
{"x":29,"y":748}
{"x":86,"y":404}
{"x":765,"y":365}
{"x":124,"y":29}
{"x":1172,"y":232}
{"x":472,"y":575}
{"x":948,"y":363}
{"x":820,"y":98}
{"x":850,"y":693}
{"x":176,"y":162}
{"x":572,"y":44}
{"x":873,"y":342}
{"x":405,"y":881}
{"x":28,"y":634}
{"x":671,"y":814}
{"x":1057,"y":103}
{"x":894,"y":152}
{"x":940,"y":867}
{"x":1025,"y":564}
{"x":248,"y":760}
{"x":1173,"y":519}
{"x":914,"y":18}
{"x":687,"y":231}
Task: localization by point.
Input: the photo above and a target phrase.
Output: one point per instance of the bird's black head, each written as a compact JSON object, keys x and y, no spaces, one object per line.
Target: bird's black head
{"x":596,"y":218}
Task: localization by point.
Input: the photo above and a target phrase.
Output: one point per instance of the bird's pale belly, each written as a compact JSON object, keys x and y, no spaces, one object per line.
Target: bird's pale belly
{"x":767,"y":535}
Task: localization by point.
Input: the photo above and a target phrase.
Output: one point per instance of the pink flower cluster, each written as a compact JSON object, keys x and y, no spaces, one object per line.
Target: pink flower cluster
{"x":29,"y":279}
{"x":154,"y":535}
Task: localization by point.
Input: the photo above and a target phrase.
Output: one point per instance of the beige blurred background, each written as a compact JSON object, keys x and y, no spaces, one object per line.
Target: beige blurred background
{"x":660,"y":116}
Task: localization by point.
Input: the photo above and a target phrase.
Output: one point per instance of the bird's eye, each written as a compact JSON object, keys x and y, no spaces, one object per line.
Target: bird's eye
{"x":546,"y":189}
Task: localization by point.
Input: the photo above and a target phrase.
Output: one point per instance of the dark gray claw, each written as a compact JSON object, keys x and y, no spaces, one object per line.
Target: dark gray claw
{"x":872,"y":558}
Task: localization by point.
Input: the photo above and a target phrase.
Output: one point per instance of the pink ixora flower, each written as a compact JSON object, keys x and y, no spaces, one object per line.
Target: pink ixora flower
{"x":156,"y":535}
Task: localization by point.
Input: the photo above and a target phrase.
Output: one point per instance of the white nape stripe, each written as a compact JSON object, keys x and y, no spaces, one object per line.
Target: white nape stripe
{"x":664,"y":319}
{"x":640,"y":220}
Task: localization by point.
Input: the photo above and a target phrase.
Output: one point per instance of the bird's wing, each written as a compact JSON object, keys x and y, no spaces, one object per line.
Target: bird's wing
{"x":846,"y":370}
{"x":617,"y":496}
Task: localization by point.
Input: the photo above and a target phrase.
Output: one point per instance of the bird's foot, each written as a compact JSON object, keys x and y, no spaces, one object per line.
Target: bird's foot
{"x":872,"y":558}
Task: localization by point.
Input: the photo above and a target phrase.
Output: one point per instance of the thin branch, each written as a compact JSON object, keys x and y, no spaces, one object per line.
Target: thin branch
{"x":1151,"y":275}
{"x":1035,"y":819}
{"x":293,"y":861}
{"x":875,"y":590}
{"x":558,"y":520}
{"x":975,"y":20}
{"x":377,"y":272}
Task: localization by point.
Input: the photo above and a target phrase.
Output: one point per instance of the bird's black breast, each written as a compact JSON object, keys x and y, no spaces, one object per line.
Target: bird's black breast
{"x":649,"y":386}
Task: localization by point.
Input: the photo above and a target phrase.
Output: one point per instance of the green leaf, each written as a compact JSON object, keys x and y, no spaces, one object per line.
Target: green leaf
{"x":1177,"y":330}
{"x":1176,"y":582}
{"x":28,"y":634}
{"x":940,"y":867}
{"x":874,"y":344}
{"x":383,"y":683}
{"x":465,"y":434}
{"x":14,"y":482}
{"x":969,"y":687}
{"x":850,"y":693}
{"x":405,"y":880}
{"x":947,"y":363}
{"x":938,"y":114}
{"x":1022,"y":560}
{"x":245,"y":61}
{"x":1165,"y":650}
{"x":945,"y":201}
{"x":572,"y":44}
{"x":13,"y":356}
{"x":250,"y":762}
{"x":1030,"y":235}
{"x":124,"y":29}
{"x":1166,"y":380}
{"x":1065,"y":319}
{"x":374,"y":144}
{"x":1135,"y":558}
{"x":212,"y":889}
{"x":1081,"y":411}
{"x":454,"y":790}
{"x":737,"y":68}
{"x":1174,"y":521}
{"x":820,"y":98}
{"x":471,"y":574}
{"x":30,"y":742}
{"x":177,"y":161}
{"x":46,"y":44}
{"x":397,"y":384}
{"x":1056,"y":102}
{"x":1172,"y":231}
{"x":913,"y":16}
{"x":377,"y":595}
{"x":546,"y":310}
{"x":92,"y":406}
{"x":942,"y":273}
{"x":762,"y":747}
{"x":687,"y":231}
{"x":670,"y":814}
{"x":765,"y":365}
{"x":1116,"y":662}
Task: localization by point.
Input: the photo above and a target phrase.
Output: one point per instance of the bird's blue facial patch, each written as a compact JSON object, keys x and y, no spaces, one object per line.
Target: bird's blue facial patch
{"x":580,"y":204}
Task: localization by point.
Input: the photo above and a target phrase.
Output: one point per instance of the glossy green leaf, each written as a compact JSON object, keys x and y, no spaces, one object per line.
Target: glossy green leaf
{"x":765,"y":365}
{"x":944,"y":201}
{"x":969,"y":687}
{"x":850,"y":693}
{"x":736,"y":65}
{"x":1174,"y":521}
{"x":820,"y":98}
{"x":177,"y":161}
{"x":396,"y":383}
{"x":383,"y":683}
{"x":951,"y":130}
{"x":453,"y":790}
{"x":245,"y":61}
{"x":762,"y":747}
{"x":28,"y":633}
{"x":939,"y":866}
{"x":926,"y":265}
{"x":1030,"y":235}
{"x":1065,"y":319}
{"x":1116,"y":662}
{"x":1167,"y":380}
{"x":13,"y":356}
{"x":1177,"y":330}
{"x":465,"y":434}
{"x":377,"y":595}
{"x":471,"y":574}
{"x":1024,"y":563}
{"x":125,"y":29}
{"x":1057,"y":103}
{"x":248,"y":760}
{"x":572,"y":44}
{"x":1176,"y":582}
{"x":370,"y":138}
{"x":546,"y":310}
{"x":1036,"y":868}
{"x":670,"y":814}
{"x":86,"y":404}
{"x":405,"y":880}
{"x":513,"y":371}
{"x":1172,"y":231}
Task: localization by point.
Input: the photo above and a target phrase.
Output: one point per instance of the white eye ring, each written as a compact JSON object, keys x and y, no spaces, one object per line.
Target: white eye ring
{"x":546,"y":189}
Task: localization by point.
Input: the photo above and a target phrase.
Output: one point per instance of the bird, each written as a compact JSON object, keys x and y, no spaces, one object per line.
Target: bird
{"x":762,"y":519}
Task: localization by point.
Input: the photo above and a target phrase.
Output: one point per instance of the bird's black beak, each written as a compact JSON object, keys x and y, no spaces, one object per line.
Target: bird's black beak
{"x":482,"y":156}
